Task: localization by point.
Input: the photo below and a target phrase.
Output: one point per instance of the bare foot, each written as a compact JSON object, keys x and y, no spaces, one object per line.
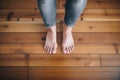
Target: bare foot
{"x":51,"y":43}
{"x":68,"y":42}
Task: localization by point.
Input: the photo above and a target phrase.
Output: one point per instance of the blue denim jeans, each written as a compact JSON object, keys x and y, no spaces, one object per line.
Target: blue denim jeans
{"x":73,"y":9}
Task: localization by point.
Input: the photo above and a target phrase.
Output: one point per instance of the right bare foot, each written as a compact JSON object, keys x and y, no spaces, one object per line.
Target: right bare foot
{"x":51,"y":43}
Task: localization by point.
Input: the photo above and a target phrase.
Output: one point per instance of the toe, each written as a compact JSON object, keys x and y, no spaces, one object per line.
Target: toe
{"x":45,"y":47}
{"x":50,"y":50}
{"x":70,"y":49}
{"x":54,"y":50}
{"x":67,"y":50}
{"x":73,"y":47}
{"x":64,"y":50}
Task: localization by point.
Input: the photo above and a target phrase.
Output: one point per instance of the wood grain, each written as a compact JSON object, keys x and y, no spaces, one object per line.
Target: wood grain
{"x":110,"y":60}
{"x":13,"y":73}
{"x":12,"y":60}
{"x":60,"y":60}
{"x":79,"y":37}
{"x":39,"y":49}
{"x":74,"y":73}
{"x":16,"y":26}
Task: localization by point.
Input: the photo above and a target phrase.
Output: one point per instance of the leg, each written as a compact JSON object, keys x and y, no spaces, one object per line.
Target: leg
{"x":48,"y":12}
{"x":73,"y":8}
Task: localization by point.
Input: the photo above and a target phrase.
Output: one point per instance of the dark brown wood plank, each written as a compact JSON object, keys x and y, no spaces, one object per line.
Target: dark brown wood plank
{"x":12,"y":60}
{"x":13,"y":73}
{"x":74,"y":73}
{"x":96,"y":4}
{"x":32,"y":4}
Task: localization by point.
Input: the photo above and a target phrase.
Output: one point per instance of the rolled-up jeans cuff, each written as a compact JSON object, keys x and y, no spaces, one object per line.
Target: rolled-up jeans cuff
{"x":50,"y":25}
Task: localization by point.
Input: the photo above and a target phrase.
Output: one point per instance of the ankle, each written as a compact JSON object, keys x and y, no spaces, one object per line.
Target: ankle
{"x":52,"y":29}
{"x":67,"y":30}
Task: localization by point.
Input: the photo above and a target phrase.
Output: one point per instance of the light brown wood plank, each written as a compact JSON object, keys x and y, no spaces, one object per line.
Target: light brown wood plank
{"x":26,"y":37}
{"x":101,"y":18}
{"x":74,"y":73}
{"x":101,"y":12}
{"x":96,"y":37}
{"x":108,"y":13}
{"x":39,"y":49}
{"x":118,"y":49}
{"x":80,"y":26}
{"x":62,"y":60}
{"x":12,"y":60}
{"x":24,"y":26}
{"x":11,"y":38}
{"x":110,"y":60}
{"x":34,"y":13}
{"x":96,"y":26}
{"x":13,"y":73}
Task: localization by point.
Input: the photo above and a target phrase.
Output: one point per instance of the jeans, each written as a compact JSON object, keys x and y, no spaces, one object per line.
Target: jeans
{"x":73,"y":9}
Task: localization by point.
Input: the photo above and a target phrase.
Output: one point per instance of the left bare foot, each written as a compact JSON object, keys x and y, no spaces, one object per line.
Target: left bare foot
{"x":68,"y":42}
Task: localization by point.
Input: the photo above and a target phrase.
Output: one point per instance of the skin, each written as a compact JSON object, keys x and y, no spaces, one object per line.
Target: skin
{"x":51,"y":42}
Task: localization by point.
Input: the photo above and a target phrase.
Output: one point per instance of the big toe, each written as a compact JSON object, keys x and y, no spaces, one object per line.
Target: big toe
{"x":54,"y":50}
{"x":64,"y":50}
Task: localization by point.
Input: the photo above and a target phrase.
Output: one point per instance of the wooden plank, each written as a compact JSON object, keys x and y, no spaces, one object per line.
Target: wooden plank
{"x":94,"y":49}
{"x":38,"y":38}
{"x":12,"y":60}
{"x":18,"y":4}
{"x":101,"y":12}
{"x":104,"y":0}
{"x":26,"y":18}
{"x":110,"y":60}
{"x":11,"y":38}
{"x":118,"y":49}
{"x":92,"y":12}
{"x":97,"y":38}
{"x":39,"y":49}
{"x":2,"y":18}
{"x":31,"y":14}
{"x":96,"y":26}
{"x":24,"y":26}
{"x":74,"y":73}
{"x":62,"y":60}
{"x":103,"y":5}
{"x":13,"y":73}
{"x":80,"y":26}
{"x":96,"y":4}
{"x":32,"y":4}
{"x":35,"y":12}
{"x":101,"y":18}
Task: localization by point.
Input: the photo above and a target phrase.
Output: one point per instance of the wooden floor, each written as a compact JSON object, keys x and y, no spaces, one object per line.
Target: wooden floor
{"x":96,"y":35}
